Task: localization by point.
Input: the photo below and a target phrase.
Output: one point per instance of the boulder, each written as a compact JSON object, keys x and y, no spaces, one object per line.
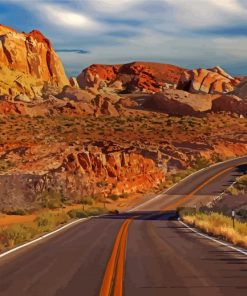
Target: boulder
{"x":178,"y":102}
{"x":209,"y":81}
{"x":74,"y":94}
{"x":230,"y":103}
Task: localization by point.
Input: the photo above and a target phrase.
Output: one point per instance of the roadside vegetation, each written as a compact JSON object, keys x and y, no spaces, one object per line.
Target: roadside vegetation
{"x":217,"y":224}
{"x":199,"y":164}
{"x":16,"y":234}
{"x":239,"y":187}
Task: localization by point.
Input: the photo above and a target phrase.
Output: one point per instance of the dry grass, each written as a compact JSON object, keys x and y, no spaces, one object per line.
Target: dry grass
{"x":16,"y":234}
{"x":240,"y":187}
{"x":219,"y":225}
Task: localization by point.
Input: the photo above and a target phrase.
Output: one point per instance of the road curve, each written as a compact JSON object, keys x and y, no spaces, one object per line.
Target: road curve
{"x":155,"y":255}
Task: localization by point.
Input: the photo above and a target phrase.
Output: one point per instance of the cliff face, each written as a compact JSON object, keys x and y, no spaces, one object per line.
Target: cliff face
{"x":27,"y":61}
{"x":137,"y":76}
{"x":114,"y":172}
{"x":100,"y":170}
{"x":210,"y":81}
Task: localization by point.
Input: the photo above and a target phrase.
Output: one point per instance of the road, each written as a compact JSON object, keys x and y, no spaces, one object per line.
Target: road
{"x":142,"y":252}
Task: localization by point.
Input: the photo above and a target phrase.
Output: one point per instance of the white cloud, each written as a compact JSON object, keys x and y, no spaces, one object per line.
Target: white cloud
{"x":207,"y":13}
{"x":113,"y":6}
{"x":173,"y":31}
{"x":62,"y":16}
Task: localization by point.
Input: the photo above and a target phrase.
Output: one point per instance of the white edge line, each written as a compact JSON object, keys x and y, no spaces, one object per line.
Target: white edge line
{"x":197,"y":172}
{"x":215,"y":240}
{"x":43,"y":237}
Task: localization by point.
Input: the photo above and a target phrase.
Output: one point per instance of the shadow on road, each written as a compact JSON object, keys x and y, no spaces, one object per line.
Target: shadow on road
{"x":143,"y":215}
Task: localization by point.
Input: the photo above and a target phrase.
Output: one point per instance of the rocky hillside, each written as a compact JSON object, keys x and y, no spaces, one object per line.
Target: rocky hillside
{"x":112,"y":131}
{"x":133,"y":77}
{"x":27,"y":62}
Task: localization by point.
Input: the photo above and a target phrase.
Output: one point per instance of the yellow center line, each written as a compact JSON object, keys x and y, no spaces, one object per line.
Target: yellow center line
{"x":118,"y":289}
{"x":186,"y":198}
{"x":114,"y":274}
{"x":109,"y":273}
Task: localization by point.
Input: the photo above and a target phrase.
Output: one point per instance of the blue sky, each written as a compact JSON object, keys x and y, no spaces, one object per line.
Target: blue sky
{"x":190,"y":33}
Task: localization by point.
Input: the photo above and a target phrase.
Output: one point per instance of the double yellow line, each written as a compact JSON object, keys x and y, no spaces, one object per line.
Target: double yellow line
{"x":114,"y":274}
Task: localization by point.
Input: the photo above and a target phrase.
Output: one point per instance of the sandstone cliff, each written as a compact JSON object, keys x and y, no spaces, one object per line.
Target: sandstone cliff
{"x":27,"y":61}
{"x":132,"y":77}
{"x":210,"y":81}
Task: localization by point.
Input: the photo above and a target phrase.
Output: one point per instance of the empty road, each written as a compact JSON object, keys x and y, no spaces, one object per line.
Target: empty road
{"x":145,"y":251}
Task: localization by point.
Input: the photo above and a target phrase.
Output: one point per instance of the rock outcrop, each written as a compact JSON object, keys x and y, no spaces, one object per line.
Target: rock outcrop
{"x":241,"y":89}
{"x":70,"y":102}
{"x":26,"y":62}
{"x":209,"y":81}
{"x":98,"y":169}
{"x":132,"y":77}
{"x":178,"y":102}
{"x":231,"y":104}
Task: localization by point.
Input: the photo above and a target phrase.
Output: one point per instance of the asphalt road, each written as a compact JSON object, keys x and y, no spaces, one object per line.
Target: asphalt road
{"x":142,"y":252}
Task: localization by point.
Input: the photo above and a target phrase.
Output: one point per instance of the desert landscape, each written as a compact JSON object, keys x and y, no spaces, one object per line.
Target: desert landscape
{"x":123,"y":148}
{"x":112,"y":131}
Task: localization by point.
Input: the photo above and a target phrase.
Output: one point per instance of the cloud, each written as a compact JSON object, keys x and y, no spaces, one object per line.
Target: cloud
{"x":207,"y":13}
{"x":79,"y":51}
{"x":187,"y":32}
{"x":62,"y":16}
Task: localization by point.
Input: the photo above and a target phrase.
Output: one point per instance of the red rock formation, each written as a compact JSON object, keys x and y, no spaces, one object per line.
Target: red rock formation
{"x":136,"y":76}
{"x":123,"y":171}
{"x":209,"y":81}
{"x":28,"y":60}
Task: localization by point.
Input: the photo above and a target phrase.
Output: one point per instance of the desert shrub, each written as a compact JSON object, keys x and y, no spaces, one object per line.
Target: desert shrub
{"x":240,"y":187}
{"x":5,"y":165}
{"x":175,"y":178}
{"x":16,"y":234}
{"x":201,"y":163}
{"x":184,"y":211}
{"x":242,"y":213}
{"x":47,"y":221}
{"x":113,"y":197}
{"x":77,"y":214}
{"x":19,"y":212}
{"x":233,"y":191}
{"x":52,"y":199}
{"x":124,"y":195}
{"x":83,"y":200}
{"x":96,"y":211}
